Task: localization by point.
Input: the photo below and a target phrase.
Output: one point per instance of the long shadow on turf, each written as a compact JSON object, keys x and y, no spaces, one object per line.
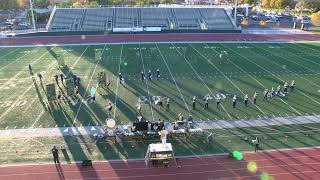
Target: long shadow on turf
{"x":39,"y":94}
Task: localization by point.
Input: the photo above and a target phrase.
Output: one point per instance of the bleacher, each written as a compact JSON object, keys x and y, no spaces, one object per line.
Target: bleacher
{"x":216,"y":19}
{"x":187,"y":18}
{"x":126,"y":18}
{"x":98,"y":19}
{"x":66,"y":20}
{"x":157,"y":17}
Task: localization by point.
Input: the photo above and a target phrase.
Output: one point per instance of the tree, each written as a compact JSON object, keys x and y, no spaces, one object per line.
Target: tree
{"x":313,"y":5}
{"x":272,"y":3}
{"x":265,"y":3}
{"x":280,"y":4}
{"x":41,"y":3}
{"x":248,"y":2}
{"x":315,"y":19}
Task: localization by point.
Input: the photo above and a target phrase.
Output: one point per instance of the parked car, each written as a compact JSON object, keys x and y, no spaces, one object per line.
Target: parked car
{"x":9,"y":21}
{"x":25,"y":24}
{"x":255,"y":17}
{"x":273,"y":20}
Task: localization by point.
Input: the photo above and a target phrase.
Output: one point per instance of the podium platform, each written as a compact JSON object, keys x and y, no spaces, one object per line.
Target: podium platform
{"x":160,"y":155}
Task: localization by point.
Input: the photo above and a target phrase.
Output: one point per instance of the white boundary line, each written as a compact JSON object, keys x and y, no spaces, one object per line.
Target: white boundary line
{"x":43,"y":111}
{"x":146,"y":80}
{"x":190,"y":65}
{"x":163,"y":42}
{"x":85,"y":93}
{"x":184,"y":157}
{"x":67,"y":74}
{"x":209,"y":61}
{"x":9,"y":53}
{"x":34,"y":99}
{"x":25,"y":92}
{"x":279,"y":65}
{"x":243,"y":57}
{"x":165,"y":62}
{"x":118,"y":81}
{"x":299,"y":56}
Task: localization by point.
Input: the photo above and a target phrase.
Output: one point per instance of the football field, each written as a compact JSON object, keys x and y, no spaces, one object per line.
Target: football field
{"x":186,"y":70}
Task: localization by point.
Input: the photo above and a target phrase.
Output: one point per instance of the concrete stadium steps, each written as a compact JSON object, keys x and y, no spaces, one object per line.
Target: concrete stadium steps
{"x":105,"y":19}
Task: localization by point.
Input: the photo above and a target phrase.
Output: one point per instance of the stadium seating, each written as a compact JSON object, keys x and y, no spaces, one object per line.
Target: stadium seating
{"x":127,"y":18}
{"x":216,"y":19}
{"x":157,"y":17}
{"x":109,"y":19}
{"x":187,"y":18}
{"x":98,"y":19}
{"x":67,"y":20}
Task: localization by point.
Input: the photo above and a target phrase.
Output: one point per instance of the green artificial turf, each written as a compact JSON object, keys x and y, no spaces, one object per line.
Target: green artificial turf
{"x":187,"y":70}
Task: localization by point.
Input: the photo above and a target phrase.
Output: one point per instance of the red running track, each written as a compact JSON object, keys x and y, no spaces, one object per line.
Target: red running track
{"x":127,"y":38}
{"x":282,"y":165}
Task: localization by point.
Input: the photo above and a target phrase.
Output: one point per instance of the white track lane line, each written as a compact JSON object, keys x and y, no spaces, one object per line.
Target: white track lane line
{"x":118,"y":81}
{"x":146,"y":80}
{"x":237,"y":87}
{"x":165,"y":62}
{"x":212,"y":94}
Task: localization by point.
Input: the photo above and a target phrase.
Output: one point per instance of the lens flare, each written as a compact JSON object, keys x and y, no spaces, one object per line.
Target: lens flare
{"x":265,"y":176}
{"x":237,"y":155}
{"x":252,"y":167}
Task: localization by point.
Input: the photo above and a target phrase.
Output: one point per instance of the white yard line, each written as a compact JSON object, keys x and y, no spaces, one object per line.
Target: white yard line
{"x":22,"y":95}
{"x":150,"y":103}
{"x":165,"y":62}
{"x":280,"y":78}
{"x":36,"y":141}
{"x":21,"y":57}
{"x":190,"y":65}
{"x":70,"y":69}
{"x":67,"y":73}
{"x":316,"y":50}
{"x":34,"y":99}
{"x":209,"y":61}
{"x":89,"y":83}
{"x":14,"y":77}
{"x":37,"y":119}
{"x":118,"y":81}
{"x":298,"y":55}
{"x":9,"y":53}
{"x":243,"y":57}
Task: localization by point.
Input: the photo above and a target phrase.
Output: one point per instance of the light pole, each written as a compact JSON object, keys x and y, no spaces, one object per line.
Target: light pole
{"x":32,"y":15}
{"x":235,"y":11}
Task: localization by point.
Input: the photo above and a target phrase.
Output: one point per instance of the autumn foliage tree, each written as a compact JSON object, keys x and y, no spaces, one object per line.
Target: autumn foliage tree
{"x":315,"y":18}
